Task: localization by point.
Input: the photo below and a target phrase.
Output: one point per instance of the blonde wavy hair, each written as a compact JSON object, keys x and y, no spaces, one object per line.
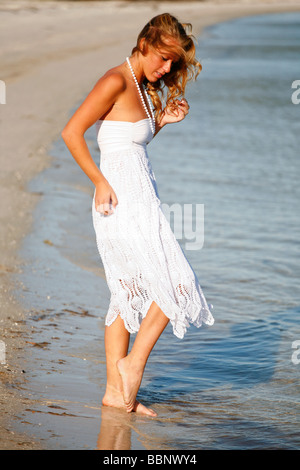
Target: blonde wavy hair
{"x":166,"y":32}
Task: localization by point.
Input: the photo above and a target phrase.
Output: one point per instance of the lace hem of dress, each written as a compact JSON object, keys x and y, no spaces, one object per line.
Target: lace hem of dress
{"x":187,"y":307}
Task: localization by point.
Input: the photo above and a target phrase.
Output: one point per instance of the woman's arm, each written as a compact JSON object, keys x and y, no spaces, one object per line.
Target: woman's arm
{"x":96,"y":104}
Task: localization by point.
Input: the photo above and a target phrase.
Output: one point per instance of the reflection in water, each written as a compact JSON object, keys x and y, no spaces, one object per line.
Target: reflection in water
{"x":115,"y":430}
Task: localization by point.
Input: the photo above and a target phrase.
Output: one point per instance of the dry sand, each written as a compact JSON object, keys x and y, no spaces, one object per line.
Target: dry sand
{"x":52,"y":53}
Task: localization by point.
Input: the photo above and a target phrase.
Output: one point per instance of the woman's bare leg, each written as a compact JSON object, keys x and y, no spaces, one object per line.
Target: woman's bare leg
{"x":131,"y":367}
{"x":116,"y":339}
{"x":116,"y":347}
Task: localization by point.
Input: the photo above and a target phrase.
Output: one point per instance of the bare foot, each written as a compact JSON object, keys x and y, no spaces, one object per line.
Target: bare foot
{"x":131,"y":380}
{"x":114,"y":398}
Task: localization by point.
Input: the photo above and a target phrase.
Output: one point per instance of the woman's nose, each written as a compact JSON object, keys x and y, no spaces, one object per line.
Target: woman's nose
{"x":167,"y":66}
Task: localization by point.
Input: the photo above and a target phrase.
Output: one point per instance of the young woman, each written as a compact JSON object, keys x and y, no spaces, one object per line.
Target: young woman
{"x":150,"y":280}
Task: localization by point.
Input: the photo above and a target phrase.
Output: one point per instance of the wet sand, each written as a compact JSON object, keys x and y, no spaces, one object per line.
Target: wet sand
{"x":52,"y":54}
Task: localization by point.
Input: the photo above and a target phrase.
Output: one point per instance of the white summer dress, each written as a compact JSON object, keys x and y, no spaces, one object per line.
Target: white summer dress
{"x":142,"y":259}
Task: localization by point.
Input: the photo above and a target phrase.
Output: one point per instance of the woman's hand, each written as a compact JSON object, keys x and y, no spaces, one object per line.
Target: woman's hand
{"x":105,"y":198}
{"x":174,"y":112}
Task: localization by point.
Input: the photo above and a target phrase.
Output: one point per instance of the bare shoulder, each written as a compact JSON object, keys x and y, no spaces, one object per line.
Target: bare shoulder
{"x":113,"y":81}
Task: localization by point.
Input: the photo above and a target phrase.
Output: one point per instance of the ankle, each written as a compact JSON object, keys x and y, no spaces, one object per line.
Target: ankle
{"x":135,"y":363}
{"x":113,"y":389}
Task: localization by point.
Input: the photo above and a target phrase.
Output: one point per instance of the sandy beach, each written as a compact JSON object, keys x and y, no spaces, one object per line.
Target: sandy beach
{"x":52,"y":53}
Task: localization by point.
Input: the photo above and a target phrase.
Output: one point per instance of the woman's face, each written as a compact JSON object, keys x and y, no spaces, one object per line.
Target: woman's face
{"x":157,"y":62}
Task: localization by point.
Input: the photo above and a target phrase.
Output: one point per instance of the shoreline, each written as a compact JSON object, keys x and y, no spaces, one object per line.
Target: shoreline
{"x":39,"y":99}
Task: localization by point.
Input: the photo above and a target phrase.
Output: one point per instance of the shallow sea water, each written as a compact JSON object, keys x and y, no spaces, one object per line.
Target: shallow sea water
{"x":231,"y":386}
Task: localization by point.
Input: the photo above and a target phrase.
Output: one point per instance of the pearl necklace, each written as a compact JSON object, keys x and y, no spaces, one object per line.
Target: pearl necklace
{"x":150,"y":117}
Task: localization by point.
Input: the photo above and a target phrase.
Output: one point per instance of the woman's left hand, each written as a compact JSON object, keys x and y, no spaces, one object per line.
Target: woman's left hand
{"x":175,"y":112}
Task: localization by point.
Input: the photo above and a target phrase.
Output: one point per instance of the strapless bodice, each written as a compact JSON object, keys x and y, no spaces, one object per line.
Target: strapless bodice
{"x":115,"y":136}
